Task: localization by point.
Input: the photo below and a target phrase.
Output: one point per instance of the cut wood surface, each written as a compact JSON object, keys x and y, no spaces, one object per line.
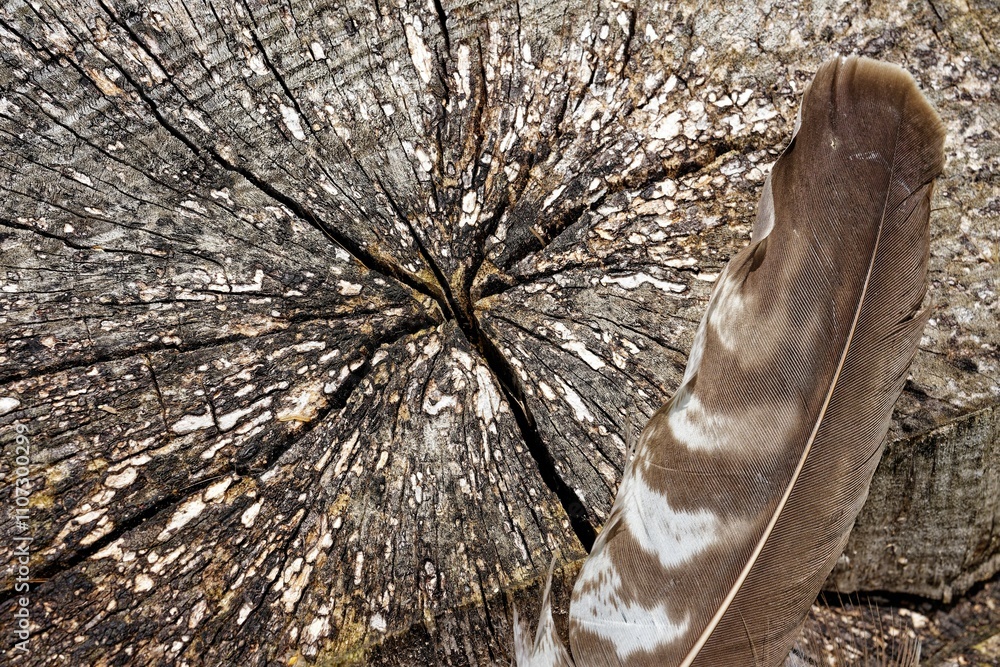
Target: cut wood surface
{"x":329,"y":322}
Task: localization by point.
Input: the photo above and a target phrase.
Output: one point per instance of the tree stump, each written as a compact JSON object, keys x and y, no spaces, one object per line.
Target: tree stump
{"x":327,"y":323}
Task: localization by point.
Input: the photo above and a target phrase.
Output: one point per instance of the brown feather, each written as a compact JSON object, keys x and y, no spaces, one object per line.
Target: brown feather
{"x":858,"y":179}
{"x":744,"y":487}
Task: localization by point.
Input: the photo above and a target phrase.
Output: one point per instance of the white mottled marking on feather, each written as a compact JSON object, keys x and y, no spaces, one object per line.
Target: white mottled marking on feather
{"x":725,"y":309}
{"x":694,"y":357}
{"x":765,"y":213}
{"x":596,"y":609}
{"x":673,"y":536}
{"x":696,"y":428}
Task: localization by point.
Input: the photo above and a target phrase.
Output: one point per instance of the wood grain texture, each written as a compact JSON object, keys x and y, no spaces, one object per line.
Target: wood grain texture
{"x":480,"y":236}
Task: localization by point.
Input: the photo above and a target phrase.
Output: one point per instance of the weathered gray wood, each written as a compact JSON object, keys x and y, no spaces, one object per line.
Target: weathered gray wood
{"x":329,"y":322}
{"x":930,"y":528}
